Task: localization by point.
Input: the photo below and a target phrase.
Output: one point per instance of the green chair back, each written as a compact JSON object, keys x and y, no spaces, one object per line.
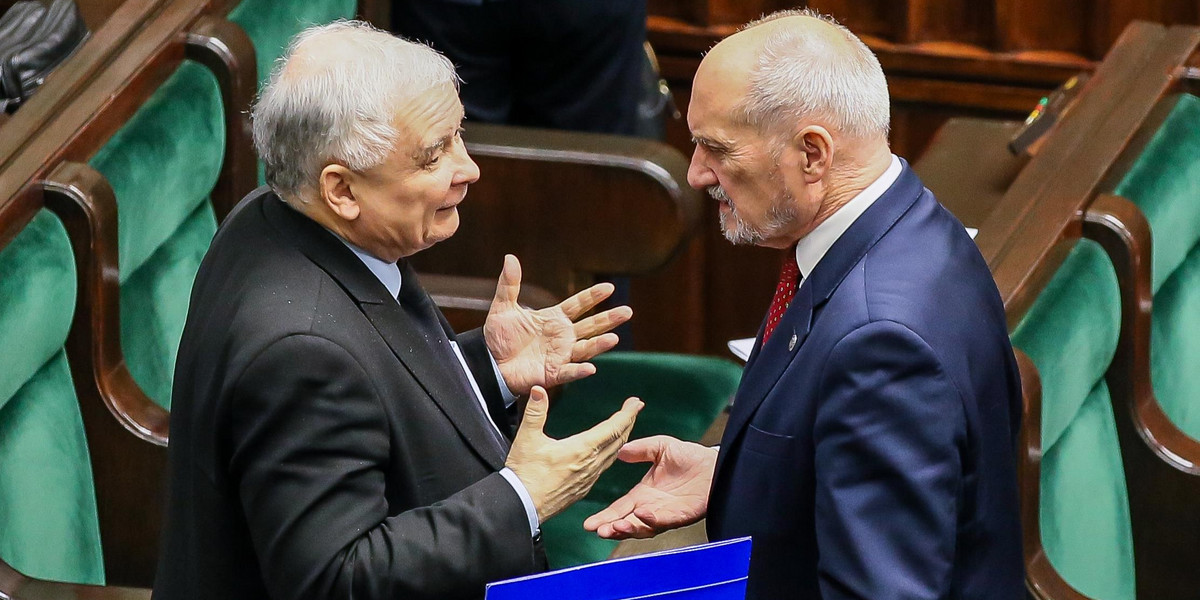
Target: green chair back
{"x":683,"y":396}
{"x":1164,"y":182}
{"x":1070,"y":333}
{"x":48,"y":522}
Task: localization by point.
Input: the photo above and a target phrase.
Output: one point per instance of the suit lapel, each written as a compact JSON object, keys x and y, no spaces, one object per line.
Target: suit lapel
{"x":767,"y":363}
{"x":392,"y":324}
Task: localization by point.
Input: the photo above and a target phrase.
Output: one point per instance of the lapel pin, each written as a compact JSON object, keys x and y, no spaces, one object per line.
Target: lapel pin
{"x":792,"y":343}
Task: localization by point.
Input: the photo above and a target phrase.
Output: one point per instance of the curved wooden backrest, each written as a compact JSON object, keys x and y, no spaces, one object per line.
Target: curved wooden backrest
{"x":1162,"y":463}
{"x":570,"y":205}
{"x":1030,"y":212}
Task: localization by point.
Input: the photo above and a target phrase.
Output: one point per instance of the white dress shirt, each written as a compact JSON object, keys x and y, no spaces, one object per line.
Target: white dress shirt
{"x":389,"y":275}
{"x":812,"y":247}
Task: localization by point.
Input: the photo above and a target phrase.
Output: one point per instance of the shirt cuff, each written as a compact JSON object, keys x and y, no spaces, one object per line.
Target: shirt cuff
{"x":530,"y":509}
{"x":506,"y":393}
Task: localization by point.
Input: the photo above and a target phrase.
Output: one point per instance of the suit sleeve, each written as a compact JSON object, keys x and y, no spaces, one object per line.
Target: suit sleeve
{"x":888,"y":439}
{"x":308,"y":456}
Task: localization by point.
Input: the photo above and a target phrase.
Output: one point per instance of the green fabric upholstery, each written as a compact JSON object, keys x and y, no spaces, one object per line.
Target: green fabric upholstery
{"x":1175,"y":344}
{"x":48,"y":522}
{"x":1085,"y":508}
{"x":1071,"y":334}
{"x":683,"y":395}
{"x":272,"y":23}
{"x":47,"y":498}
{"x":37,"y":299}
{"x":164,"y":162}
{"x":1165,"y":183}
{"x":154,"y":303}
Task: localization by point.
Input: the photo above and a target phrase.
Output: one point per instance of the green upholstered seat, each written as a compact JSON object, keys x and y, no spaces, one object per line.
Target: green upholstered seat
{"x":1165,"y":184}
{"x":1071,"y":335}
{"x":48,"y":523}
{"x":162,"y":164}
{"x":683,"y":395}
{"x":272,"y":23}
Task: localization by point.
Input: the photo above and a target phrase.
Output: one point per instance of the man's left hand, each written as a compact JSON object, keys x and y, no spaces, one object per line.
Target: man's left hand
{"x":550,"y":346}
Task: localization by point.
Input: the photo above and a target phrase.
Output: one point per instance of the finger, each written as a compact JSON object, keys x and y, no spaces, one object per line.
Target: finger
{"x":573,"y":372}
{"x":644,"y":450}
{"x":615,"y":429}
{"x":586,"y":349}
{"x":508,"y":287}
{"x":536,"y":409}
{"x":605,"y":321}
{"x":619,"y":509}
{"x":587,"y":299}
{"x":632,"y":527}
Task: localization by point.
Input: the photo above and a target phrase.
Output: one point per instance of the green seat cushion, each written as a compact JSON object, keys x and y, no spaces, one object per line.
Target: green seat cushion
{"x":164,"y":162}
{"x":683,"y":396}
{"x":1175,"y":345}
{"x":271,"y":24}
{"x":48,"y":523}
{"x":1163,"y":182}
{"x":1085,"y":506}
{"x":154,"y":303}
{"x":1071,"y":334}
{"x":37,"y":300}
{"x":566,"y":542}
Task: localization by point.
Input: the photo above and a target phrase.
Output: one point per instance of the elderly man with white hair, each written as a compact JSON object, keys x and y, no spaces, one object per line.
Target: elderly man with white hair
{"x":331,"y":437}
{"x":871,"y":447}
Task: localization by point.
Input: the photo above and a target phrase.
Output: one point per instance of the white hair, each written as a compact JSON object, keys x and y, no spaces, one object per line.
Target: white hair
{"x":332,"y":97}
{"x":801,"y":76}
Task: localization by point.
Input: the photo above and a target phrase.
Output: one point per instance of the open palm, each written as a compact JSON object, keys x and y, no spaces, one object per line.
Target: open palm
{"x":673,"y":493}
{"x":550,"y":346}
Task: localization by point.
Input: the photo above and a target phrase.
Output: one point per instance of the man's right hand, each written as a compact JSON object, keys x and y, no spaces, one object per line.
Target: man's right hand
{"x":673,"y":493}
{"x":556,"y":473}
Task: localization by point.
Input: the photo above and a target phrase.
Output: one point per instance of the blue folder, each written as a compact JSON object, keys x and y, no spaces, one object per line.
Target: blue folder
{"x":715,"y":571}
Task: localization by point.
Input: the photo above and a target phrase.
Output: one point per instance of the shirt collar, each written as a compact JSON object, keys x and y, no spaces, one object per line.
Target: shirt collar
{"x":812,"y":247}
{"x":387,"y":273}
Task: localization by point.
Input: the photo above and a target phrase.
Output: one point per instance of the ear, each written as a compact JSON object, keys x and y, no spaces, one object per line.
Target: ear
{"x":337,"y":191}
{"x":815,"y":146}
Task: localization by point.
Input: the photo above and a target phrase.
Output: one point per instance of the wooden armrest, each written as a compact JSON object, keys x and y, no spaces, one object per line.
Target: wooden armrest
{"x":223,"y":47}
{"x":1042,"y":580}
{"x":1162,"y":463}
{"x":126,"y":431}
{"x":16,"y":586}
{"x":1121,"y":229}
{"x":465,"y":300}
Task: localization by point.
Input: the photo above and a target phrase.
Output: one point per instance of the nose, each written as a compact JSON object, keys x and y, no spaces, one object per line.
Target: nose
{"x":699,"y":175}
{"x":468,"y":171}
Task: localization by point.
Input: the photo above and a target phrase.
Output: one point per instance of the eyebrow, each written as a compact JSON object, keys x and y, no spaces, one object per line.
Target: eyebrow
{"x":426,"y":154}
{"x":709,"y":142}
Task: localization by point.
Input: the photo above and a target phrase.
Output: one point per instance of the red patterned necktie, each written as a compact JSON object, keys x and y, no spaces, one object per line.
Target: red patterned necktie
{"x":789,"y":275}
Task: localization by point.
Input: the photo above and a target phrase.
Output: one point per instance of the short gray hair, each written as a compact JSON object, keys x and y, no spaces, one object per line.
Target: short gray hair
{"x":801,"y":76}
{"x":335,"y":102}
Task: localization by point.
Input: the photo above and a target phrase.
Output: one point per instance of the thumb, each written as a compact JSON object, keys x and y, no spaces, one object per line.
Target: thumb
{"x":536,"y":410}
{"x":508,"y":287}
{"x":643,"y":450}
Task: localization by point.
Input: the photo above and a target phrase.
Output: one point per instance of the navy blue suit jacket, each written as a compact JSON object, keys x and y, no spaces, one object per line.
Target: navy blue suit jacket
{"x":874,"y":456}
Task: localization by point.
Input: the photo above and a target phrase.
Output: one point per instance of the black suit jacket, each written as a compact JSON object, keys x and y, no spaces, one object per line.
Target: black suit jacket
{"x":318,"y":448}
{"x":871,"y":448}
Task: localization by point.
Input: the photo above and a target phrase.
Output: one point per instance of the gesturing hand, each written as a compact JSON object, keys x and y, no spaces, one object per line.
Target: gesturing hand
{"x":547,"y":347}
{"x":556,"y":473}
{"x":673,"y":493}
